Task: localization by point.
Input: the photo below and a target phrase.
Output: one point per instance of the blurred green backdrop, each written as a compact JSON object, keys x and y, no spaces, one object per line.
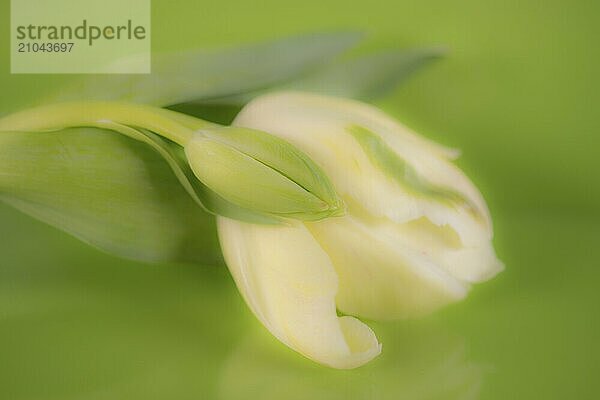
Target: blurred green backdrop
{"x":518,"y":93}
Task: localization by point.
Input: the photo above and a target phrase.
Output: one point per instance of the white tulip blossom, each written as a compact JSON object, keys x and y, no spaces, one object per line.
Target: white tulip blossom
{"x":327,"y":210}
{"x":416,"y":234}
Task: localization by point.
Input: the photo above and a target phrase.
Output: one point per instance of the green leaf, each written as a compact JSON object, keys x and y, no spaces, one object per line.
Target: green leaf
{"x":370,"y":76}
{"x":205,"y":74}
{"x":364,"y":78}
{"x":112,"y":192}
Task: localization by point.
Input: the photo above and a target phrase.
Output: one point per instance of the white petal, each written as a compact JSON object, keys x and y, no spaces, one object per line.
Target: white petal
{"x":289,"y":283}
{"x":440,"y":245}
{"x":380,"y":278}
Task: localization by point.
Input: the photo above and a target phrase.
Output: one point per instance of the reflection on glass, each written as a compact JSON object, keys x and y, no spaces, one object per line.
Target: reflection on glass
{"x":419,"y":362}
{"x":78,"y":325}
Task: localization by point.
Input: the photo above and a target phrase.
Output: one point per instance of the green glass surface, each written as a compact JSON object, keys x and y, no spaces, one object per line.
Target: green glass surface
{"x":518,"y":92}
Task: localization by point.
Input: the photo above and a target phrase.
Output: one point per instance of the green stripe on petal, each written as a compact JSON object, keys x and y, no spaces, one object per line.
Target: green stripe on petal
{"x":387,"y":160}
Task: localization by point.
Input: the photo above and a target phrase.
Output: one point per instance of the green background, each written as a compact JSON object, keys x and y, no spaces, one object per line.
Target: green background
{"x":518,"y":93}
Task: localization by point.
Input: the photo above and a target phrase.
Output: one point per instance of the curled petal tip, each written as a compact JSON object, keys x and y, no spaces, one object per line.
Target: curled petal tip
{"x":289,"y":283}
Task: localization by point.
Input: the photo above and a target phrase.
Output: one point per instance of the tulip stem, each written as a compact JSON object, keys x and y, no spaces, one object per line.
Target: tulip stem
{"x":174,"y":126}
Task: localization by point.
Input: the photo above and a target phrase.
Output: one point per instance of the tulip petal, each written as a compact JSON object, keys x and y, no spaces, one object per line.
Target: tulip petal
{"x":289,"y":283}
{"x":442,"y":245}
{"x":379,"y":277}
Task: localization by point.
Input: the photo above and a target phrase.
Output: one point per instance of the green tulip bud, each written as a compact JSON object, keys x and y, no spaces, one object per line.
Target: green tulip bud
{"x":262,"y":173}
